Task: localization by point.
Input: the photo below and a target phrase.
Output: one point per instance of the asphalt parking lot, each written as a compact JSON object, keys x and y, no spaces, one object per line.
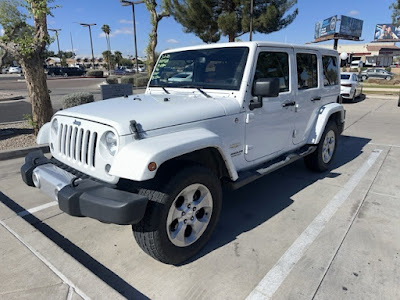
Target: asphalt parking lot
{"x":290,"y":235}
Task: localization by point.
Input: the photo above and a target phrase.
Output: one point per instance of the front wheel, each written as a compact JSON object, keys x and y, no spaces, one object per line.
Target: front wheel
{"x":181,"y":215}
{"x":321,"y":158}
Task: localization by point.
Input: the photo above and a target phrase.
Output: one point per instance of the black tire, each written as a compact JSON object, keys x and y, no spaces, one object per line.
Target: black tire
{"x":388,"y":78}
{"x":315,"y":161}
{"x":151,"y":232}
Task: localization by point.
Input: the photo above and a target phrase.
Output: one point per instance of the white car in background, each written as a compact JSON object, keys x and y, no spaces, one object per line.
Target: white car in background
{"x":350,"y":85}
{"x":180,"y":77}
{"x":14,"y":70}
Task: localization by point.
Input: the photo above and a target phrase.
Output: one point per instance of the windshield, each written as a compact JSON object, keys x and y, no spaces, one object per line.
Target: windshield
{"x":217,"y":68}
{"x":344,"y":76}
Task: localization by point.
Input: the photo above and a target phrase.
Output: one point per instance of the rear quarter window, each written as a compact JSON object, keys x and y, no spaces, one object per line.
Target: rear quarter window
{"x":330,"y":69}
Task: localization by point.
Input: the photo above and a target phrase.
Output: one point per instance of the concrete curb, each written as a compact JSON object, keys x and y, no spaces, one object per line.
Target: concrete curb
{"x":12,"y":98}
{"x":21,"y":152}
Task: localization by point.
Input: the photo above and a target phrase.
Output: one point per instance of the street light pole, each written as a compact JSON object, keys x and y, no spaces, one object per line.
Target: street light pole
{"x":90,"y":34}
{"x":58,"y":42}
{"x":132,"y":3}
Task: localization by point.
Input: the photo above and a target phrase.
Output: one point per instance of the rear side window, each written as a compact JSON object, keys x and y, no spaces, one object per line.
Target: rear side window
{"x":330,"y":70}
{"x":274,"y":64}
{"x":307,"y":71}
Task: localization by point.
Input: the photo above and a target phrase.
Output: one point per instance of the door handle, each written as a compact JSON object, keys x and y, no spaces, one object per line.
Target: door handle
{"x":289,"y":103}
{"x":316,"y":98}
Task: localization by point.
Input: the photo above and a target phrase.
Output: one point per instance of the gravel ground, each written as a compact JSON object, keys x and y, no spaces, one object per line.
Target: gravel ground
{"x":16,"y":135}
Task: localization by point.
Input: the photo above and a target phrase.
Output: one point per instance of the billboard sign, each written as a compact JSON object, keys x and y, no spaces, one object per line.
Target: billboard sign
{"x":328,"y":26}
{"x":387,"y":33}
{"x":351,"y":26}
{"x":339,"y":25}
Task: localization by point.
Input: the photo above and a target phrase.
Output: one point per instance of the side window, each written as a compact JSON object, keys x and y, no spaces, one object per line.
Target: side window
{"x":330,"y":70}
{"x":274,"y":64}
{"x":307,"y":71}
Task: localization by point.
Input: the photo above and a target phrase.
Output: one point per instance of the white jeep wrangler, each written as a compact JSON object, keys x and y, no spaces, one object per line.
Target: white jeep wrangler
{"x":212,"y":116}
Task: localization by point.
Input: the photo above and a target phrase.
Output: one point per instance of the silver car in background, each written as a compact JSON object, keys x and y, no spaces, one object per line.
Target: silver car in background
{"x":350,"y":86}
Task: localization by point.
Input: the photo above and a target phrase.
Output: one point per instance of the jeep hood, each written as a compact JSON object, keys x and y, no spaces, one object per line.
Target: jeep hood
{"x":153,"y":111}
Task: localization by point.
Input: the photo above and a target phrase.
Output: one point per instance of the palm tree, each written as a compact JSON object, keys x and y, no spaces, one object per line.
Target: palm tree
{"x":117,"y":57}
{"x":107,"y":30}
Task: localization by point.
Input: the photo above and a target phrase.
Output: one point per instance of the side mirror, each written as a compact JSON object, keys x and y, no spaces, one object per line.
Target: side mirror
{"x":264,"y":87}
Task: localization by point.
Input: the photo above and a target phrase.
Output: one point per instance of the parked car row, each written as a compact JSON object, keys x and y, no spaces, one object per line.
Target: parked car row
{"x":70,"y":71}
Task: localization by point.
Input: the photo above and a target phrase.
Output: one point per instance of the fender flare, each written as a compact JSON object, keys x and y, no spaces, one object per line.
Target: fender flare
{"x":324,"y":114}
{"x":132,"y":161}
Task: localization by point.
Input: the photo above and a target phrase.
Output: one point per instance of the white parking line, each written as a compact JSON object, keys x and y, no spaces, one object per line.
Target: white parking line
{"x":37,"y":208}
{"x":46,"y":262}
{"x":275,"y":277}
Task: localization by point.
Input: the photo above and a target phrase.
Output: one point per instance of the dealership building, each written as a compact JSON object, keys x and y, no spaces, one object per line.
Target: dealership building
{"x":371,"y":54}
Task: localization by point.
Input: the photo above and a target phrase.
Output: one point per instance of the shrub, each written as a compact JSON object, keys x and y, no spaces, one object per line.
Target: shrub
{"x":389,"y":69}
{"x":94,"y":73}
{"x":128,"y":79}
{"x":141,"y":81}
{"x":76,"y":99}
{"x":112,"y":79}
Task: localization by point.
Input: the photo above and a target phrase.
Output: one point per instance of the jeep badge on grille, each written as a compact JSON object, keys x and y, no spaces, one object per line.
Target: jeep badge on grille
{"x":77,"y":123}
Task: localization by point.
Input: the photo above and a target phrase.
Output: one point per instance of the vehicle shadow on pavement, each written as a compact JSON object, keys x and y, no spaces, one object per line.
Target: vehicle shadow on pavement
{"x":256,"y":203}
{"x":360,"y":98}
{"x":93,"y":265}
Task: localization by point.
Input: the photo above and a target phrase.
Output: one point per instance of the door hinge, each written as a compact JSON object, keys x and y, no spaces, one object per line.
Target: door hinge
{"x":248,"y":148}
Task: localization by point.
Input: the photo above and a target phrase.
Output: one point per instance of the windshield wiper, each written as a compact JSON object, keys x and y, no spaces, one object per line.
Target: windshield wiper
{"x":197,"y":88}
{"x":165,"y":90}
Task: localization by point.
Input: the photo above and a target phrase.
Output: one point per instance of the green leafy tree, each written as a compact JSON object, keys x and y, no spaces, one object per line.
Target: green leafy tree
{"x":231,"y":18}
{"x":108,"y":58}
{"x":64,"y":61}
{"x":127,"y":62}
{"x":27,"y":44}
{"x":155,"y":18}
{"x":395,"y":7}
{"x":118,"y":57}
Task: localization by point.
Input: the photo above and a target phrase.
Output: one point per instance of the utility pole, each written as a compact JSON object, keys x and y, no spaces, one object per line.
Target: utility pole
{"x":132,"y":3}
{"x":58,"y":42}
{"x":251,"y":19}
{"x":90,"y":34}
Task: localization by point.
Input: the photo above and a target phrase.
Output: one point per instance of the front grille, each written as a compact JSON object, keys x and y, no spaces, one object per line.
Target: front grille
{"x":77,"y":144}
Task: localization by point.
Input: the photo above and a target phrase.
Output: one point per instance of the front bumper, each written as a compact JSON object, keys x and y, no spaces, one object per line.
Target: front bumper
{"x":82,"y":197}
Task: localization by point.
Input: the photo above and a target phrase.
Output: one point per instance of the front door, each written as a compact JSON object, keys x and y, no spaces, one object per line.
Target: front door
{"x":269,"y":128}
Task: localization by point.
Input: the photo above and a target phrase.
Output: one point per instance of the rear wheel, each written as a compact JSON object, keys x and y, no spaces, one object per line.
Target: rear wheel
{"x":321,"y":158}
{"x":388,"y":77}
{"x":65,"y":74}
{"x":181,"y":215}
{"x":364,"y":78}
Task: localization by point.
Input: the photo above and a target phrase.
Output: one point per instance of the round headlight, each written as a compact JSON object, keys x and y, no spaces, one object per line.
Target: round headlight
{"x":54,"y":126}
{"x":111,"y":142}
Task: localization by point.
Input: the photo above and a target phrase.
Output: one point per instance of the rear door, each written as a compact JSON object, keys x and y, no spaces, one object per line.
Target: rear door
{"x":309,"y":92}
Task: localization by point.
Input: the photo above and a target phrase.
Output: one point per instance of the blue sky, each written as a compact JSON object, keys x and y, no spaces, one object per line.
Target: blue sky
{"x":171,"y":35}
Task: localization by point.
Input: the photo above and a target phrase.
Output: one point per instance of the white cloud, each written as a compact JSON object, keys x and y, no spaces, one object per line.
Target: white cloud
{"x":1,"y":32}
{"x":124,"y":21}
{"x":123,"y":30}
{"x":172,"y":41}
{"x":353,"y":12}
